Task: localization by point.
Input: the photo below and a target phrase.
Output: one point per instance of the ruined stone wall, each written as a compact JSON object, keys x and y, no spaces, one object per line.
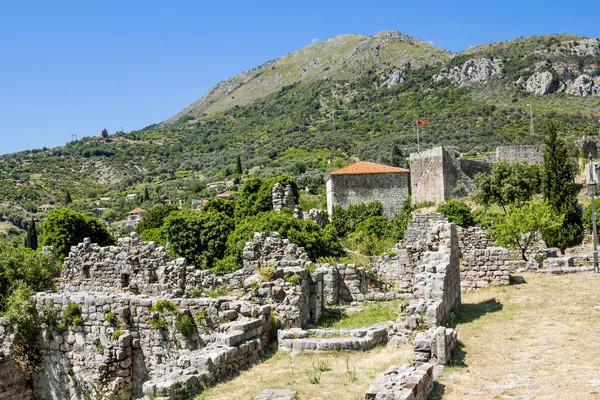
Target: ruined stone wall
{"x":14,"y":384}
{"x":528,"y":154}
{"x":403,"y":383}
{"x":133,"y":265}
{"x":397,"y":271}
{"x":88,"y":359}
{"x":390,"y":189}
{"x":432,"y":244}
{"x":434,"y":346}
{"x":483,"y":265}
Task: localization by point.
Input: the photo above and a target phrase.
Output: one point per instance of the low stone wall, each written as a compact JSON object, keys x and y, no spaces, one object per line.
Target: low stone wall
{"x":326,"y":340}
{"x":434,"y":346}
{"x":397,"y":270}
{"x":14,"y":384}
{"x":403,"y":383}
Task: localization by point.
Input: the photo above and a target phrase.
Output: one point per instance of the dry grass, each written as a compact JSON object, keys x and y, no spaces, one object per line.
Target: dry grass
{"x":538,"y":340}
{"x":349,"y":376}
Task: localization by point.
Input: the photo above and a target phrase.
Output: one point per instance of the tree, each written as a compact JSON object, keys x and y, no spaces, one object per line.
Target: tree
{"x":64,"y":228}
{"x":559,"y":190}
{"x":31,"y":240}
{"x":238,"y":165}
{"x":508,"y":183}
{"x":457,"y":212}
{"x":397,"y":158}
{"x":517,"y":228}
{"x":255,"y":196}
{"x":32,"y":268}
{"x":226,"y":207}
{"x":146,"y":194}
{"x":68,"y":198}
{"x":200,"y":237}
{"x":401,"y":220}
{"x":155,"y":217}
{"x":104,"y":133}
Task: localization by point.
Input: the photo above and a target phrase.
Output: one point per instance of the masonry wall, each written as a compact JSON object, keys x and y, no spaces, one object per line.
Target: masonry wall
{"x":528,"y":154}
{"x":14,"y":384}
{"x":390,"y":189}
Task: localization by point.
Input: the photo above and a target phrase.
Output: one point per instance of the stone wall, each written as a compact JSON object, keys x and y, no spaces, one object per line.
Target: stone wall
{"x":327,"y":340}
{"x":391,"y":189}
{"x":403,"y":383}
{"x":528,"y":154}
{"x":90,"y":359}
{"x":14,"y":384}
{"x":482,"y":265}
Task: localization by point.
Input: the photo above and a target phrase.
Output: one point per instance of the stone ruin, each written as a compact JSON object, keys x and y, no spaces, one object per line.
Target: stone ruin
{"x":233,"y":316}
{"x":283,"y":197}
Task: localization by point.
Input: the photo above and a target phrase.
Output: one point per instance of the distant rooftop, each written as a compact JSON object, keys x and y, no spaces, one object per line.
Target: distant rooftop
{"x":363,"y":168}
{"x":137,"y":211}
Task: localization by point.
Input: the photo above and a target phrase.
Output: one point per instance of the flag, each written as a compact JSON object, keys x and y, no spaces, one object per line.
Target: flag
{"x":422,"y":121}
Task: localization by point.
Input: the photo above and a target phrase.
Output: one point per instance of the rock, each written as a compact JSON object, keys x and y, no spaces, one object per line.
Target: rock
{"x":540,"y":83}
{"x":473,"y":71}
{"x":391,"y":78}
{"x":584,"y":85}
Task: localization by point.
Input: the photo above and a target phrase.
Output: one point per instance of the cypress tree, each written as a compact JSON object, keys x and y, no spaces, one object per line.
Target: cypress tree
{"x":31,"y":241}
{"x":68,"y":198}
{"x":146,"y":194}
{"x":239,"y":165}
{"x":559,"y":190}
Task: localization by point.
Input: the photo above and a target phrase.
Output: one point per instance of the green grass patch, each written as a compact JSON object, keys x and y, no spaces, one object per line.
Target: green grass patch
{"x":372,"y":313}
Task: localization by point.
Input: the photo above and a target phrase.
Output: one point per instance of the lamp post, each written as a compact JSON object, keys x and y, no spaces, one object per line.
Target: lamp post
{"x":591,"y":186}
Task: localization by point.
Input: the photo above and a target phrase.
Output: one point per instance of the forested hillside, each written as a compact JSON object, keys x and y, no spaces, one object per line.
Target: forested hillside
{"x":475,"y":101}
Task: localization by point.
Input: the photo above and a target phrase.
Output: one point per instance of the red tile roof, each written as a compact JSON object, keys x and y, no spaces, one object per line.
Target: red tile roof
{"x":362,"y":168}
{"x":47,"y":206}
{"x":137,"y":211}
{"x":223,"y":195}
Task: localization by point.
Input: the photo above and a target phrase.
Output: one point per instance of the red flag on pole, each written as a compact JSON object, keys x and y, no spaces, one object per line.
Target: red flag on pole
{"x":422,"y":121}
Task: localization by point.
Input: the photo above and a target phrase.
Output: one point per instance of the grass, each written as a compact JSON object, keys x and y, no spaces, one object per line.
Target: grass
{"x":313,"y":376}
{"x":372,"y":313}
{"x":536,"y":340}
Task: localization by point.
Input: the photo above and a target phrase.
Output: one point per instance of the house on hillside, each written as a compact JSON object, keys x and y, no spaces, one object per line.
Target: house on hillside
{"x":224,"y":196}
{"x":131,"y":197}
{"x":46,"y":207}
{"x":364,"y":182}
{"x":135,"y":216}
{"x":198,"y":204}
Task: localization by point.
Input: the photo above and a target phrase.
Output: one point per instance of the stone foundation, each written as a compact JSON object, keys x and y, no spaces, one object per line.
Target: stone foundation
{"x":326,"y":340}
{"x":434,"y":346}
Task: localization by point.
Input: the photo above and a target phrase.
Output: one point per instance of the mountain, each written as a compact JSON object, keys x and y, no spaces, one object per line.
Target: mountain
{"x":351,"y":97}
{"x":342,"y":57}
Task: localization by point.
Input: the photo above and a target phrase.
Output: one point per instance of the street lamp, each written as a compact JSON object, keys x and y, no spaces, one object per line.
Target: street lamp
{"x":591,"y":186}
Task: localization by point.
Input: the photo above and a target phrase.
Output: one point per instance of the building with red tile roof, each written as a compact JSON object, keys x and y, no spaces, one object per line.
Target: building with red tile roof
{"x":364,"y":182}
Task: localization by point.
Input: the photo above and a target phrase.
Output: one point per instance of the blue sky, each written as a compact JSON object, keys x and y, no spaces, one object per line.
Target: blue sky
{"x":78,"y":67}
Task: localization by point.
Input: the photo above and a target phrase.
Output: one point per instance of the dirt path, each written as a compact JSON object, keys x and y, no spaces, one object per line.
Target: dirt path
{"x":539,"y":340}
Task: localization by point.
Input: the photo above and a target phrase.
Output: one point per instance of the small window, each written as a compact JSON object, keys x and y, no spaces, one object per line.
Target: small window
{"x":86,"y":271}
{"x":124,"y":280}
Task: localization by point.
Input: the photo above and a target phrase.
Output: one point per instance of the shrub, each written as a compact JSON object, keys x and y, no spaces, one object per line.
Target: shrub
{"x":117,"y":334}
{"x":293,"y":279}
{"x":226,"y":265}
{"x":317,"y":242}
{"x":255,"y":196}
{"x":219,"y":291}
{"x":378,"y":226}
{"x":111,"y":318}
{"x":457,"y":212}
{"x":164,"y":305}
{"x":401,"y":219}
{"x":267,"y":272}
{"x":201,"y":317}
{"x":155,"y":218}
{"x":33,"y":268}
{"x":200,"y":237}
{"x":70,"y":312}
{"x":345,"y":220}
{"x":21,"y":319}
{"x":78,"y":320}
{"x":369,"y":244}
{"x":157,"y":322}
{"x":185,"y":326}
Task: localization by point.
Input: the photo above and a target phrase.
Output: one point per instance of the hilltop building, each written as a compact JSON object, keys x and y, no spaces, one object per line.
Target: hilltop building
{"x":46,"y":207}
{"x":135,"y":216}
{"x":364,"y":182}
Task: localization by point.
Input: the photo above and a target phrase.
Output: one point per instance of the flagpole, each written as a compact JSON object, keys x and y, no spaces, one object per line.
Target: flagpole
{"x":418,"y":144}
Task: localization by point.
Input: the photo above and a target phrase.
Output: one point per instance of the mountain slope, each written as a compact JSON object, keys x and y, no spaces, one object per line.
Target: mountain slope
{"x":345,"y":56}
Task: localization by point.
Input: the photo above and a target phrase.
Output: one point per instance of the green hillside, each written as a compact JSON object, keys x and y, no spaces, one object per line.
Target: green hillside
{"x":286,"y":125}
